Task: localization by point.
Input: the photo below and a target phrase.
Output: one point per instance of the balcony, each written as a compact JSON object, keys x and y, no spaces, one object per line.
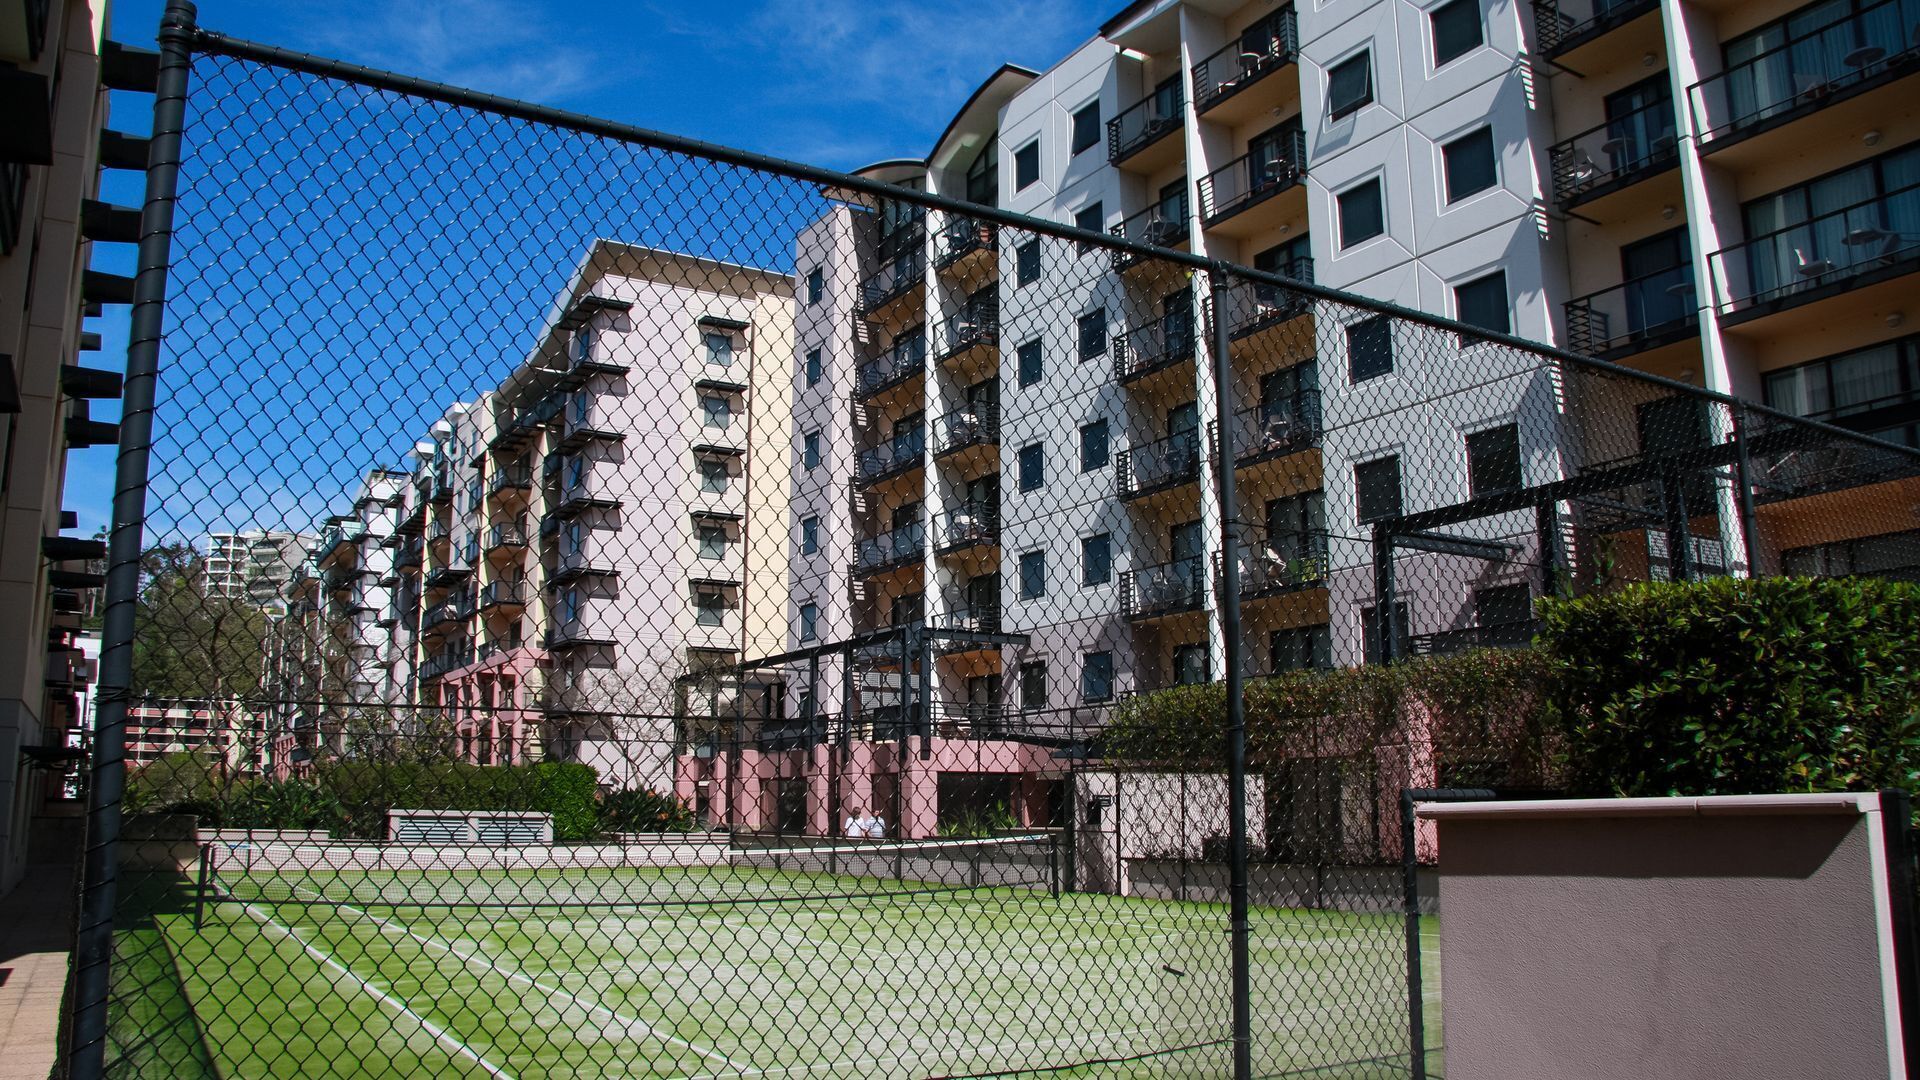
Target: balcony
{"x":1619,"y":153}
{"x":1644,"y":313}
{"x":1274,"y":429}
{"x":519,"y":431}
{"x":451,"y":610}
{"x":439,"y":662}
{"x":585,"y":491}
{"x":1158,"y":466}
{"x":1167,"y":589}
{"x":901,"y":362}
{"x":1251,"y":180}
{"x":1299,"y":562}
{"x":1790,"y":461}
{"x":897,"y":456}
{"x":963,"y":237}
{"x":1142,"y":126}
{"x":1563,"y":25}
{"x":984,"y":619}
{"x":440,"y":491}
{"x":971,"y":334}
{"x":1868,"y":242}
{"x":1164,"y":224}
{"x":411,"y":556}
{"x":1813,"y":68}
{"x":514,"y":480}
{"x":504,"y":594}
{"x":1510,"y":635}
{"x":1251,"y":308}
{"x":1263,"y":49}
{"x":506,"y":537}
{"x":969,"y":426}
{"x":1165,"y":343}
{"x":339,"y":578}
{"x":897,"y":547}
{"x":588,"y":419}
{"x":966,"y":526}
{"x":895,"y":279}
{"x":470,"y":551}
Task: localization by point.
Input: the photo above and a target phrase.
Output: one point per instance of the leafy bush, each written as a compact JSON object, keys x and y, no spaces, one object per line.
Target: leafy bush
{"x":282,"y":804}
{"x":640,"y":810}
{"x":183,"y":782}
{"x":1734,"y":686}
{"x":367,"y":790}
{"x":979,"y":821}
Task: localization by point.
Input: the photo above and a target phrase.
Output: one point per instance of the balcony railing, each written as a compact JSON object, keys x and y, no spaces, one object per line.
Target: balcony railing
{"x":1510,"y":635}
{"x":974,"y":325}
{"x":512,"y":478}
{"x":1879,"y":234}
{"x":1559,"y":24}
{"x":900,"y":454}
{"x":1164,"y":224}
{"x":896,"y":547}
{"x":962,"y":236}
{"x":973,"y":425}
{"x":412,"y":553}
{"x":899,"y":363}
{"x":504,"y":593}
{"x":1624,"y":149}
{"x":1252,"y":306}
{"x":450,"y":610}
{"x":1256,"y":53}
{"x":1158,"y":465}
{"x":1143,"y":124}
{"x":1158,"y":345}
{"x":1291,"y":563}
{"x":1275,"y":428}
{"x":1644,"y":311}
{"x":1165,"y":589}
{"x":967,"y":525}
{"x":1253,"y":178}
{"x":506,"y":535}
{"x":983,"y":619}
{"x":1789,"y":462}
{"x":438,"y":663}
{"x":893,"y":279}
{"x":1812,"y":66}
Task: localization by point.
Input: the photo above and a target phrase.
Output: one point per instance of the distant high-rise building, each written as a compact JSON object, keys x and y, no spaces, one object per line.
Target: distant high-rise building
{"x":253,"y":565}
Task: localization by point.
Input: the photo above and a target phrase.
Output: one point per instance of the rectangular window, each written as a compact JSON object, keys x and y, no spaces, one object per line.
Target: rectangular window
{"x":1029,"y":362}
{"x":1096,"y":676}
{"x":1469,"y":163}
{"x":1363,"y":214}
{"x":810,"y":450}
{"x":710,"y":607}
{"x":1191,"y":665}
{"x":1300,"y":648}
{"x":1482,"y":302}
{"x":1370,"y":348}
{"x":1350,"y":84}
{"x":1026,"y":165}
{"x":1096,"y":559}
{"x":1093,"y":218}
{"x":810,"y":536}
{"x":1376,"y":486}
{"x":1503,"y":606}
{"x":1456,"y":30}
{"x":1033,"y":685}
{"x":1026,"y":263}
{"x":813,"y":367}
{"x":1093,"y":334}
{"x":713,"y":476}
{"x":713,"y":541}
{"x":1033,"y":467}
{"x":1095,"y":446}
{"x":1033,"y":575}
{"x":1370,"y":633}
{"x":716,"y":412}
{"x":816,"y":285}
{"x":719,"y":350}
{"x":809,"y":621}
{"x":1086,"y":126}
{"x":1493,"y":461}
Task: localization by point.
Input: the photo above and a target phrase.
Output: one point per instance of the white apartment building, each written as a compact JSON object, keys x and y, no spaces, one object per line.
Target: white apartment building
{"x":253,"y":565}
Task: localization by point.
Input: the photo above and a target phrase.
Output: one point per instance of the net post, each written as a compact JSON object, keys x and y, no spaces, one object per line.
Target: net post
{"x":1053,"y":866}
{"x":204,"y":879}
{"x":93,"y":935}
{"x":1743,"y":492}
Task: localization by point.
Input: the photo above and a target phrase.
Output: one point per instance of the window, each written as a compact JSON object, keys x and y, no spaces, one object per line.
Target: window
{"x":1026,"y":263}
{"x":1191,"y":665}
{"x":813,"y":367}
{"x":573,"y":539}
{"x":810,"y":536}
{"x":1493,"y":461}
{"x":983,"y":176}
{"x":1086,"y":126}
{"x":1033,"y":467}
{"x":1300,"y":648}
{"x":810,"y":450}
{"x":1096,"y":559}
{"x":1363,"y":215}
{"x":1469,"y":163}
{"x":1029,"y":362}
{"x":1482,"y":302}
{"x":570,"y":605}
{"x":1376,"y":487}
{"x":1503,"y":606}
{"x":716,"y":412}
{"x":713,"y":475}
{"x":1033,"y":575}
{"x":1456,"y":30}
{"x":1370,"y":633}
{"x":1093,"y":218}
{"x":1096,"y":676}
{"x":1095,"y":448}
{"x":713,"y":541}
{"x":1876,"y":384}
{"x":1026,"y":165}
{"x":719,"y":350}
{"x":816,"y":285}
{"x":1370,"y":348}
{"x":1033,"y":685}
{"x":1093,"y":334}
{"x":809,"y":621}
{"x":1350,"y":84}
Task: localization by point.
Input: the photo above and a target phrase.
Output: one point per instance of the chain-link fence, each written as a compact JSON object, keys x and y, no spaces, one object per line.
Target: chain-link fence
{"x":682,"y":614}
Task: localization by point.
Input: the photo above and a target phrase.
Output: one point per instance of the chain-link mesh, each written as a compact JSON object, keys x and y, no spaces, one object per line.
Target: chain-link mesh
{"x":610,"y":611}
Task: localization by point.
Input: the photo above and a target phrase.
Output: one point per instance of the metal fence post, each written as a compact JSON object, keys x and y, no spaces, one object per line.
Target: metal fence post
{"x":1410,"y":885}
{"x":1236,"y":707}
{"x":1743,"y":490}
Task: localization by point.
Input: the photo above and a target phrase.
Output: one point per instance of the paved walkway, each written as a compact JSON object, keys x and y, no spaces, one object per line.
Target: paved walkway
{"x":35,"y":929}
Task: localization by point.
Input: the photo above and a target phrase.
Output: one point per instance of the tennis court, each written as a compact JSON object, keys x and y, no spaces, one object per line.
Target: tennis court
{"x":789,"y":964}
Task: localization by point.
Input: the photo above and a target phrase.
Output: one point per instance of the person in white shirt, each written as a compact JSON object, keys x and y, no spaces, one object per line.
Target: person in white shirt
{"x":864,"y":826}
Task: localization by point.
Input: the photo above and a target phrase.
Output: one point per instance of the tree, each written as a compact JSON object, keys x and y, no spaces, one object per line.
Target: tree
{"x":423,"y":736}
{"x":188,"y":645}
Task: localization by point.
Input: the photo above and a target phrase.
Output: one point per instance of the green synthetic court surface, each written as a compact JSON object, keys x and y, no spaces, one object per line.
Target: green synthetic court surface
{"x":427,"y":974}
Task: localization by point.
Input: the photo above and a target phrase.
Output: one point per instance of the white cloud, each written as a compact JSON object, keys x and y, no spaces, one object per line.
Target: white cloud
{"x":492,"y":45}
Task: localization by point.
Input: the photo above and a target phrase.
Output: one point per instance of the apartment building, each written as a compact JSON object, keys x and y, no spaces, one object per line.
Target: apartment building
{"x":254,"y":565}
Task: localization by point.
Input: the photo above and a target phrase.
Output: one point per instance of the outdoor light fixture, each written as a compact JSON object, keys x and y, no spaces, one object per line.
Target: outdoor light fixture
{"x":1871,"y":138}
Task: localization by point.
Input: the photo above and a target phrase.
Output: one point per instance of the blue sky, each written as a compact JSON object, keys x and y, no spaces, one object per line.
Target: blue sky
{"x":830,"y":82}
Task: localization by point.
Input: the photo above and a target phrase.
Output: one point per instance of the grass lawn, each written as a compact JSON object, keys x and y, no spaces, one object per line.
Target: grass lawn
{"x":433,"y":975}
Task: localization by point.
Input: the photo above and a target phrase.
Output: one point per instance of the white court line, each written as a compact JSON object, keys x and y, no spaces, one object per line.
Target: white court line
{"x":379,"y":995}
{"x":513,"y":975}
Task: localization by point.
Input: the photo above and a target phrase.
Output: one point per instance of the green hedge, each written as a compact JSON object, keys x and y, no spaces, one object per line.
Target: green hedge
{"x":1739,"y":686}
{"x":367,"y":790}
